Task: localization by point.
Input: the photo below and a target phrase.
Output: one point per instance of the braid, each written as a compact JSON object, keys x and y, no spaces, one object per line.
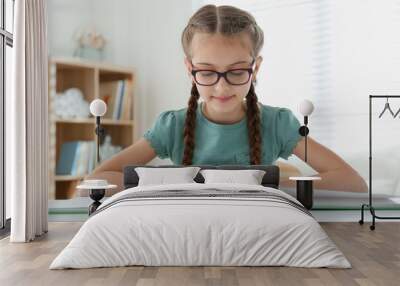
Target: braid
{"x":253,"y":126}
{"x":190,"y":125}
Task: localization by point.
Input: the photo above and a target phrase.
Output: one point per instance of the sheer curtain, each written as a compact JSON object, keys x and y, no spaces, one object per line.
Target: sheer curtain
{"x":27,"y":130}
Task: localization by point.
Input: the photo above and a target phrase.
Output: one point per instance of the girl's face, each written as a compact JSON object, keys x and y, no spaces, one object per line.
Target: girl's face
{"x":220,"y":53}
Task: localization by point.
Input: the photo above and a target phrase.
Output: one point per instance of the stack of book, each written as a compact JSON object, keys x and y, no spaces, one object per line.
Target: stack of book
{"x":118,"y":97}
{"x":77,"y":158}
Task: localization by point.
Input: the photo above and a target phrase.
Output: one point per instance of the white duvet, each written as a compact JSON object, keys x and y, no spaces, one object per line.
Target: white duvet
{"x":182,"y":231}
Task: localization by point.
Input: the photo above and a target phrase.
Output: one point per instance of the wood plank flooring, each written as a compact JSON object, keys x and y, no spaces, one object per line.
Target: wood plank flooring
{"x":374,"y":255}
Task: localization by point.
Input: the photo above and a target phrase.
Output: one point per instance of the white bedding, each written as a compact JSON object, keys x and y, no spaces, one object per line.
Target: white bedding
{"x":182,"y":231}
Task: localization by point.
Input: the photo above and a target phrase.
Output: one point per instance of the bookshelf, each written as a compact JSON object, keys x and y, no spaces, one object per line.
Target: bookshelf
{"x":93,"y":79}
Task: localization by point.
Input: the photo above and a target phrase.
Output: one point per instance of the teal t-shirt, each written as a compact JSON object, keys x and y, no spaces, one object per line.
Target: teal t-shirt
{"x":222,"y":144}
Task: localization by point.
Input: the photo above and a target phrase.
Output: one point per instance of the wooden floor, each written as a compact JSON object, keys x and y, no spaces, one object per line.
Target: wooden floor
{"x":374,"y":255}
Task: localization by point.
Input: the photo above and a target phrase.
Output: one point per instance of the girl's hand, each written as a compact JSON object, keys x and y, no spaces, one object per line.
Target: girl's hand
{"x":335,"y":173}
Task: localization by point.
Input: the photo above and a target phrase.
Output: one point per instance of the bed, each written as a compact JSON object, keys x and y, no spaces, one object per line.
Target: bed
{"x":201,"y":224}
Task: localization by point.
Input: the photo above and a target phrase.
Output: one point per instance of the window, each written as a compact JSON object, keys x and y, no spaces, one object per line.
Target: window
{"x":6,"y":44}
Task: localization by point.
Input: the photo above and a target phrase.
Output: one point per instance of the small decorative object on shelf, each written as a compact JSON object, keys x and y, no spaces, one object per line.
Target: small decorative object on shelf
{"x":107,"y":149}
{"x":304,"y":185}
{"x":97,"y":189}
{"x":90,"y":44}
{"x":70,"y":104}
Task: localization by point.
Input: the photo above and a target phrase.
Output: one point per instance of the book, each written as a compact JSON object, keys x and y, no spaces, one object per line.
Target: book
{"x":76,"y":156}
{"x":117,"y":95}
{"x":82,"y":159}
{"x":127,"y":101}
{"x":121,"y":100}
{"x":118,"y":99}
{"x":108,"y":92}
{"x":66,"y":162}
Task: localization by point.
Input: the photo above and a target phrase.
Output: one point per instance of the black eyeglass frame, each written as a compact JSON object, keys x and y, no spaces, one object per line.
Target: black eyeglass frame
{"x":224,"y":75}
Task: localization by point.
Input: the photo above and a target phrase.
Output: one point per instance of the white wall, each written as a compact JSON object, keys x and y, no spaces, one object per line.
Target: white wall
{"x":144,"y":35}
{"x":64,"y":19}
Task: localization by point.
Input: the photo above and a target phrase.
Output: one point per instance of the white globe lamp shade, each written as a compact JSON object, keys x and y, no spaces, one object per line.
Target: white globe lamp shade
{"x":306,"y":107}
{"x":98,"y":107}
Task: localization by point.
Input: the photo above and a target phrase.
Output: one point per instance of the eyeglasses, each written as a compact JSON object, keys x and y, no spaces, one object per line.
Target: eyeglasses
{"x":233,"y":76}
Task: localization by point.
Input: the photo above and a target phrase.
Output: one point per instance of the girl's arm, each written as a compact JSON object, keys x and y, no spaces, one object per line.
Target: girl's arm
{"x":139,"y":153}
{"x":335,"y":173}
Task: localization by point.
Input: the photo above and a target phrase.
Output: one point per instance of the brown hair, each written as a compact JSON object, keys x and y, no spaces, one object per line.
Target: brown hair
{"x":227,"y":21}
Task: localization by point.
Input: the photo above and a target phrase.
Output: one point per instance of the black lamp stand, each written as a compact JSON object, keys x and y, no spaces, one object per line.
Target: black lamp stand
{"x":304,"y":185}
{"x":97,"y":194}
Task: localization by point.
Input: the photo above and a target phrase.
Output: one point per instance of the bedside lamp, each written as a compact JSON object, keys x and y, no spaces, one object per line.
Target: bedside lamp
{"x":97,"y":188}
{"x":306,"y":107}
{"x":304,"y":185}
{"x":98,"y":108}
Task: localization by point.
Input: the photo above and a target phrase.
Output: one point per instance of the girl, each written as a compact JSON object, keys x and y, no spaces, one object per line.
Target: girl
{"x":222,"y":55}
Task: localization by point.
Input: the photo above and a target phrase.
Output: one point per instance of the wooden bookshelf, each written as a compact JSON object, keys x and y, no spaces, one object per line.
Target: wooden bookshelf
{"x":89,"y":77}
